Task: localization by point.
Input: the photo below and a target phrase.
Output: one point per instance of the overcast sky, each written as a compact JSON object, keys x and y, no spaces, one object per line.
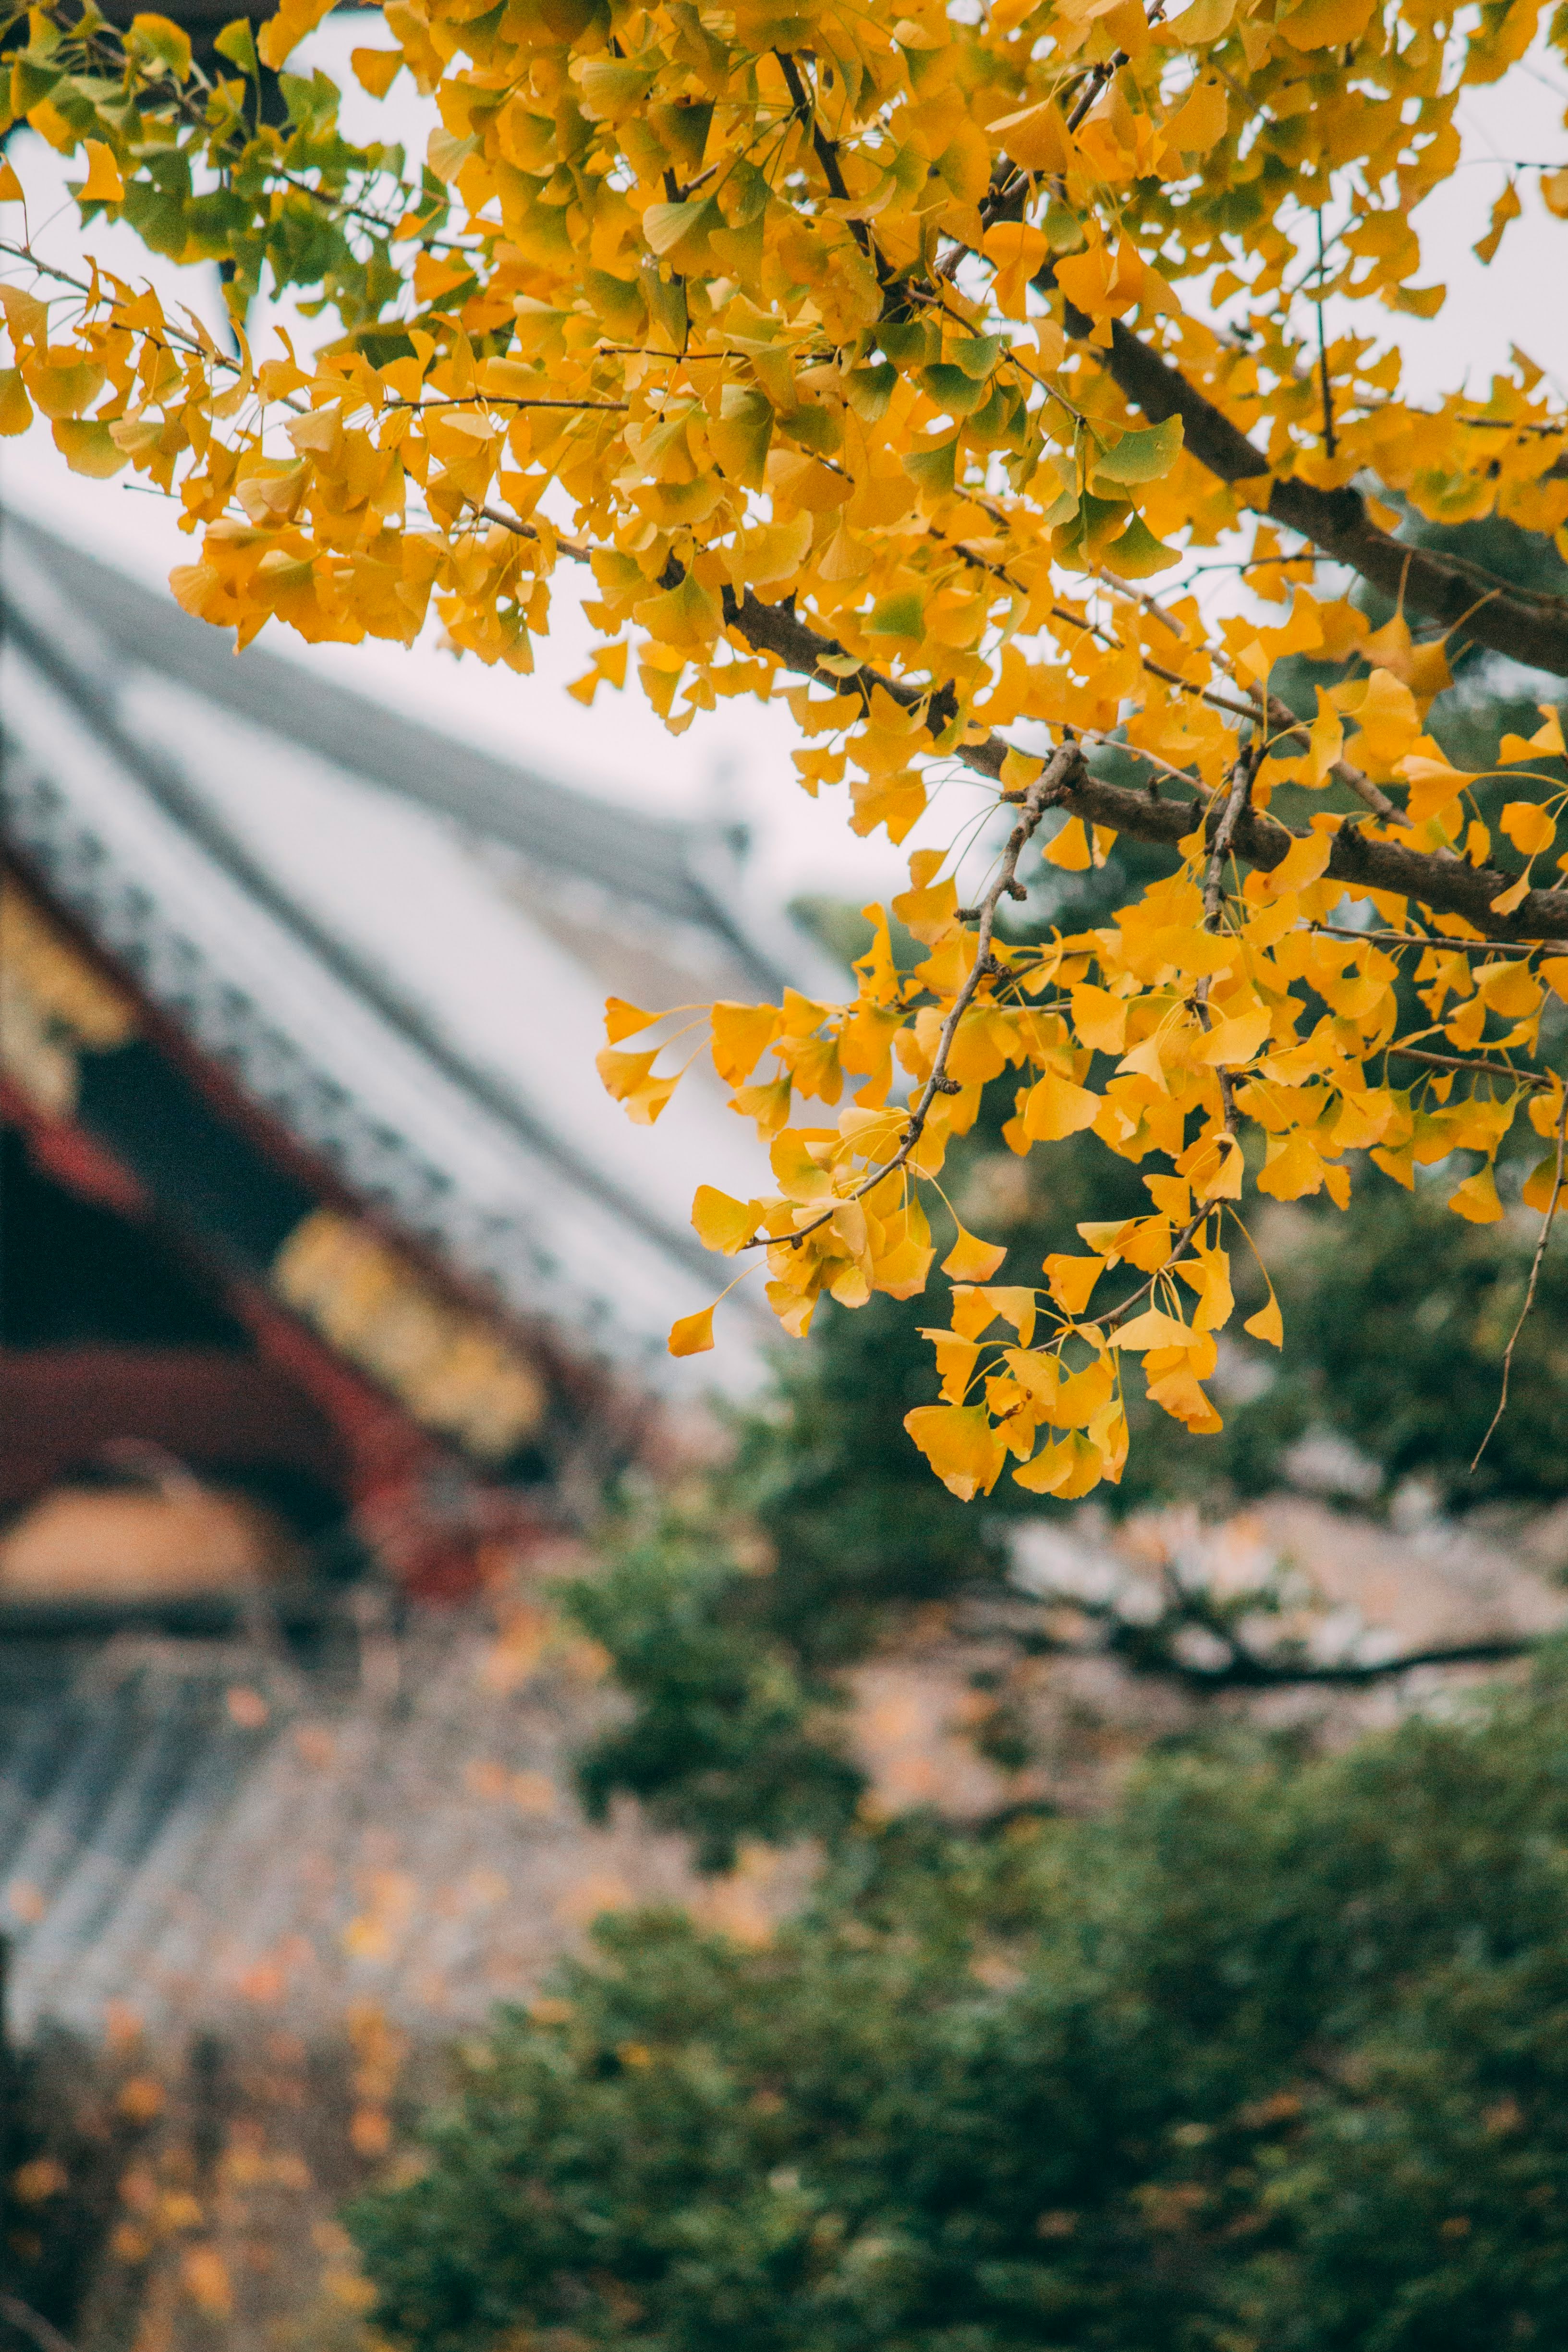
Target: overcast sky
{"x":736,"y":759}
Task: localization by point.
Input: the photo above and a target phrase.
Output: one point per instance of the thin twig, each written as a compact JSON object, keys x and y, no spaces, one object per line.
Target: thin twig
{"x":1433,"y":940}
{"x":773,"y":630}
{"x":1289,"y":728}
{"x":1053,"y":784}
{"x":825,"y":151}
{"x":1118,"y":1315}
{"x":1243,"y":776}
{"x":1545,"y":1235}
{"x":1241,"y":780}
{"x":1532,"y":1078}
{"x":1329,"y":443}
{"x":504,"y":400}
{"x":22,"y":2316}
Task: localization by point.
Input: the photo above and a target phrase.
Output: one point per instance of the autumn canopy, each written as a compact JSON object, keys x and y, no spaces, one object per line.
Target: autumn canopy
{"x":879,"y":364}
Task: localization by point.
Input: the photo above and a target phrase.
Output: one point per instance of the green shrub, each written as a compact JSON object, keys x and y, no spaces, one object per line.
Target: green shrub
{"x":1274,"y":2059}
{"x":728,"y":1733}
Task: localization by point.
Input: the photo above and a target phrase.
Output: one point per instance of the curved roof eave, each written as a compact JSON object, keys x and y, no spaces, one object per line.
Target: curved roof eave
{"x":662,"y":864}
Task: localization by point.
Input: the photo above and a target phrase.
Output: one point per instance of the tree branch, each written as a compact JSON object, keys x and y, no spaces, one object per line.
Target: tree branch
{"x":1049,"y":787}
{"x":1244,"y":1671}
{"x":1528,"y":625}
{"x":1449,"y":885}
{"x":1148,"y":1651}
{"x":32,"y":2324}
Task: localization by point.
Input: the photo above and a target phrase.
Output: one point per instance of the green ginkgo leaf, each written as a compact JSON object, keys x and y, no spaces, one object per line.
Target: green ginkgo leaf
{"x":1139,"y":456}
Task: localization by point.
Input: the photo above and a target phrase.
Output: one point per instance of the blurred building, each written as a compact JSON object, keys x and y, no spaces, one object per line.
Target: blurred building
{"x":309,"y":1185}
{"x":331,"y":1287}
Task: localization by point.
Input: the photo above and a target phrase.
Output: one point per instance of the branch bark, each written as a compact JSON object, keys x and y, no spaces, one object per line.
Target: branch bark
{"x":1243,"y":1671}
{"x":1528,"y":625}
{"x":1148,"y":1651}
{"x":1446,"y":885}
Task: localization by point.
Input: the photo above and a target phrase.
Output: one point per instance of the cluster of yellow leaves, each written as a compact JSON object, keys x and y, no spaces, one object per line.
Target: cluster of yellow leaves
{"x":1273,"y":1018}
{"x":790,"y":323}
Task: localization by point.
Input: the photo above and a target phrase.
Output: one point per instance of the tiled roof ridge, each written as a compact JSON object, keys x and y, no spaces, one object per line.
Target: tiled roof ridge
{"x":662,"y":863}
{"x":199,"y":819}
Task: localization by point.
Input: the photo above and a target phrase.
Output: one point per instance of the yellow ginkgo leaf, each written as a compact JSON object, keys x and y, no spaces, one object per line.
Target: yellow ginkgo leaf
{"x":1546,"y":742}
{"x":1066,"y":1467}
{"x":1325,"y":24}
{"x":692,"y":1335}
{"x":1267,"y":1323}
{"x":769,"y":551}
{"x":1100,"y":1018}
{"x":1072,"y":1279}
{"x":645,"y":1105}
{"x":799,"y":1171}
{"x":1541,"y":1183}
{"x":1069,"y":849}
{"x":1301,"y":863}
{"x":624,"y":1020}
{"x":1056,"y":1107}
{"x":622,"y":1074}
{"x":961,"y":1445}
{"x":1507,"y":208}
{"x":1529,"y":826}
{"x":1012,"y":1303}
{"x":1176,"y":1389}
{"x":1083,"y":1396}
{"x":629,"y":1078}
{"x":376,"y":70}
{"x":1476,"y":1200}
{"x":1232,"y":1042}
{"x":1208,"y":1273}
{"x":973,"y":1260}
{"x":722,"y":1223}
{"x":741,"y":1034}
{"x":1199,"y":122}
{"x":1511,"y":990}
{"x":955,"y":1361}
{"x":1153,"y":1328}
{"x":283,"y":33}
{"x":103,"y":183}
{"x":15,"y":408}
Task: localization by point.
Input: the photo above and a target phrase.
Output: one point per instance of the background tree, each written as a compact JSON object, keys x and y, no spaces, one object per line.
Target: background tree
{"x":1271,"y":2056}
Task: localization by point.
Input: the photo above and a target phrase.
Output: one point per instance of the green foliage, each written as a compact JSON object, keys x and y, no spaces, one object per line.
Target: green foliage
{"x":1399,"y":1315}
{"x":199,"y":149}
{"x":727,"y":1732}
{"x":826,"y":1473}
{"x":1274,"y":2057}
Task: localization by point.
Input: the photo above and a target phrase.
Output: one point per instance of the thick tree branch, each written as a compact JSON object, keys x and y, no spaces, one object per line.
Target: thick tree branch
{"x":1528,"y":626}
{"x":1153,"y":1650}
{"x":1244,"y":1671}
{"x":1446,"y":885}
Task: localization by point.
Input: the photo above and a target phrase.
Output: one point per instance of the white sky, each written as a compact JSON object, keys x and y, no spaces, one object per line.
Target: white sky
{"x":736,"y":759}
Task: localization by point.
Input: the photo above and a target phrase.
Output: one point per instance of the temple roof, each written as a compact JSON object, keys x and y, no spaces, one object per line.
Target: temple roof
{"x":396,"y":945}
{"x":194,"y":1826}
{"x":673,"y":868}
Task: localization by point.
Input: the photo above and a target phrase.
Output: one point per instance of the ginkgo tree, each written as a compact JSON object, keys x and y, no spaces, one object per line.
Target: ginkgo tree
{"x":874,"y":363}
